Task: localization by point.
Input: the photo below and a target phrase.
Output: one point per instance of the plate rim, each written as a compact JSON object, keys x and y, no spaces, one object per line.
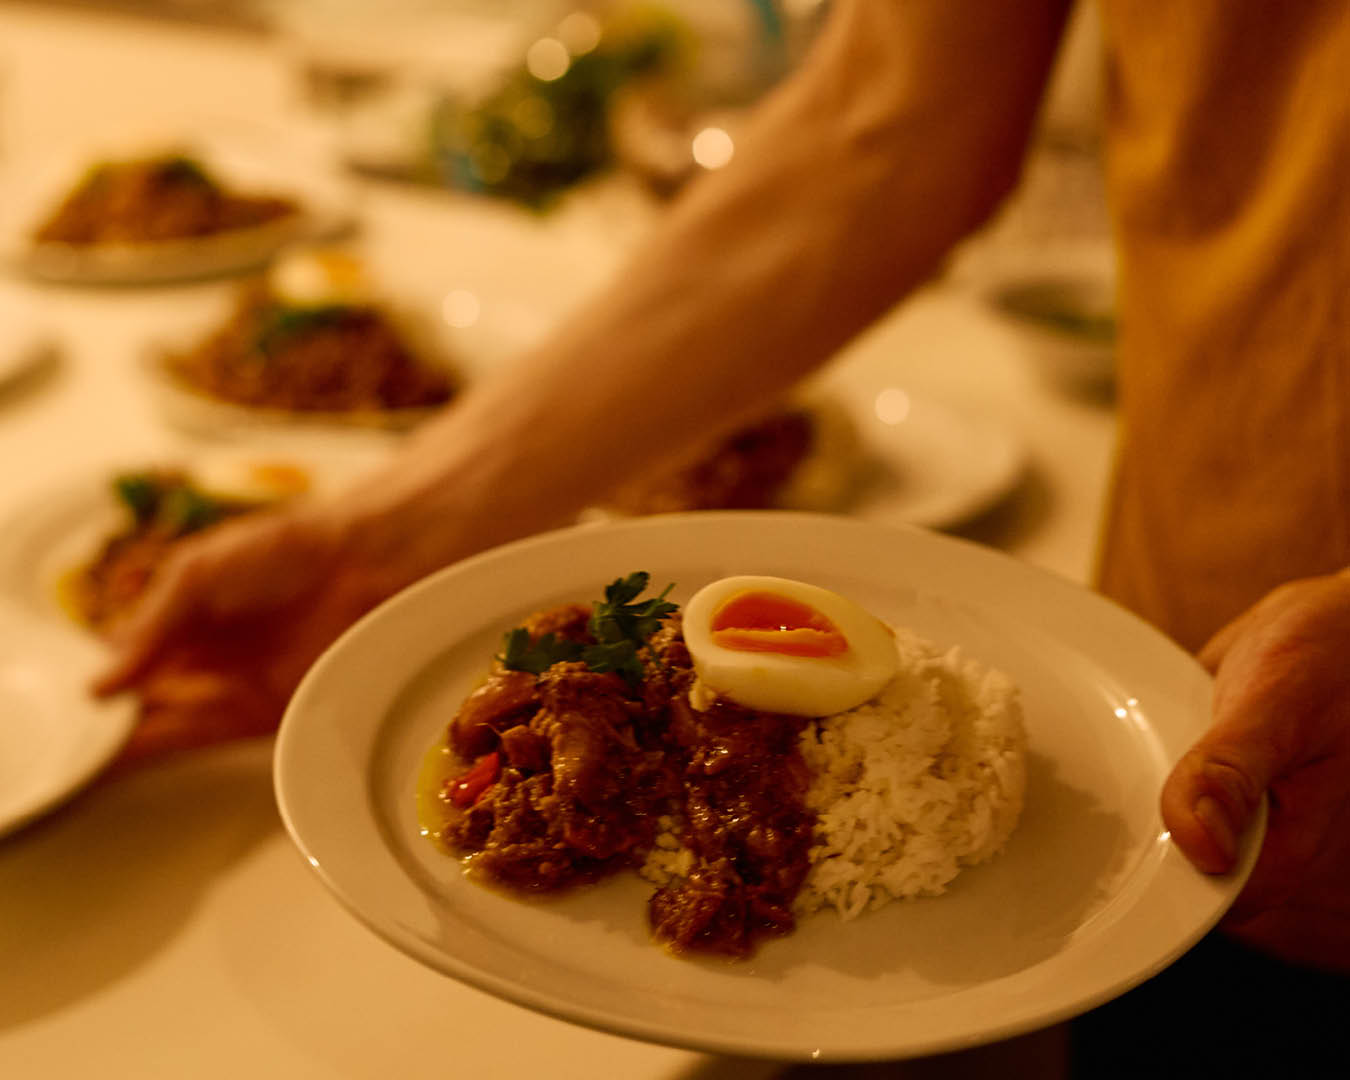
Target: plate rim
{"x":109,"y":722}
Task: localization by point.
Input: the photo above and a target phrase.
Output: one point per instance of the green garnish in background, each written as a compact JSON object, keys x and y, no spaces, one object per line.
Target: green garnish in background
{"x":280,"y":323}
{"x":173,"y":506}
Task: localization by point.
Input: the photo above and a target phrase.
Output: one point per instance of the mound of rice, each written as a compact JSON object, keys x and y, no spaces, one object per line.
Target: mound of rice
{"x":926,"y":778}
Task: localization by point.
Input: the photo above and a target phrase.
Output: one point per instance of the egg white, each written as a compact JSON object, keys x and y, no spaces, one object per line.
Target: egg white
{"x":774,"y":682}
{"x":258,"y":480}
{"x":321,"y":276}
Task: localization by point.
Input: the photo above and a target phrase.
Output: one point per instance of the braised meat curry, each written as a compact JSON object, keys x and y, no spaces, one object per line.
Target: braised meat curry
{"x":566,"y":774}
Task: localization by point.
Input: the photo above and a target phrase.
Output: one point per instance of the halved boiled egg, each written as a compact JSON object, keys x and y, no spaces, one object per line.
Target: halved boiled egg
{"x":778,"y":645}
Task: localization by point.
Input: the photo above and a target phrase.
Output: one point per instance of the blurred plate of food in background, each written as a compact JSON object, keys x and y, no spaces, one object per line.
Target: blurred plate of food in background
{"x":851,"y":445}
{"x":82,"y":552}
{"x":313,"y":342}
{"x":151,"y":210}
{"x":802,"y":454}
{"x":528,"y":131}
{"x":79,"y":555}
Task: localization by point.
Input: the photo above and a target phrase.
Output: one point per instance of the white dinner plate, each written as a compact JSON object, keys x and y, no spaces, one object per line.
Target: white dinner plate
{"x":24,"y":342}
{"x":54,"y":737}
{"x":1088,"y":899}
{"x":249,"y":161}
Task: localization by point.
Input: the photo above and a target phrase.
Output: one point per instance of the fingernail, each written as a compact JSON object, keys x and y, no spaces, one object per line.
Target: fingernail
{"x":1211,"y":814}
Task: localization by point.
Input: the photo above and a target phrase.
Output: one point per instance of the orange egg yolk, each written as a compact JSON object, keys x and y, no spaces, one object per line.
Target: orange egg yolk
{"x":281,"y":477}
{"x":759,"y":621}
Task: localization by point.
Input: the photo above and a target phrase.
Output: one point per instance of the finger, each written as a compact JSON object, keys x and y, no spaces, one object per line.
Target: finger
{"x":1212,"y":794}
{"x":1307,"y":821}
{"x":192,"y":711}
{"x":1217,"y":647}
{"x":141,"y":637}
{"x":1208,"y":802}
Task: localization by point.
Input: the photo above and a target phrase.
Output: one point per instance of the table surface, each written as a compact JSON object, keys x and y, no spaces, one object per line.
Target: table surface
{"x":162,"y":924}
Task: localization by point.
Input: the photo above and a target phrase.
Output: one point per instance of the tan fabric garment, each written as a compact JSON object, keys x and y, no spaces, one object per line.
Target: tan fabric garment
{"x":1229,"y":170}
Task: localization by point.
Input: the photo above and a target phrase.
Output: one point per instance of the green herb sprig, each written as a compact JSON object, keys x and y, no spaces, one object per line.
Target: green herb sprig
{"x":520,"y":653}
{"x":619,"y":624}
{"x":279,"y":324}
{"x":172,"y":505}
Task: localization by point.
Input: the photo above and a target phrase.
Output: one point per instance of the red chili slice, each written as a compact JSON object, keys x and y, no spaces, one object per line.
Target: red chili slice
{"x":469,"y":788}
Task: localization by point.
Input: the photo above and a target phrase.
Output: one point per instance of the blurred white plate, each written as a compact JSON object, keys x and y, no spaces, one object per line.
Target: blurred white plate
{"x":24,"y":342}
{"x":54,"y":737}
{"x":250,"y":162}
{"x":1089,"y":899}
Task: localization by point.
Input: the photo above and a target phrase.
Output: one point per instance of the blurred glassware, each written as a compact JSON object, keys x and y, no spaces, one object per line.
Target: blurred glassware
{"x":665,"y":140}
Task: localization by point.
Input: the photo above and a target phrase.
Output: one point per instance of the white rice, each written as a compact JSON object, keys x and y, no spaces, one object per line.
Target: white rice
{"x":926,"y":778}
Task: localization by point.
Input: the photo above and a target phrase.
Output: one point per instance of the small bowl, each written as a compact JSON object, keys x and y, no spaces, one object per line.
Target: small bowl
{"x":1069,"y":322}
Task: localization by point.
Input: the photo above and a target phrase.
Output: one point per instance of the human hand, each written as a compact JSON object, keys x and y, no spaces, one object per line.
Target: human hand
{"x":1281,"y":727}
{"x":228,"y":627}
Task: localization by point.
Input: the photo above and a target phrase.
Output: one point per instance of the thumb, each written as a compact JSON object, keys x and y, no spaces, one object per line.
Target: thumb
{"x":1213,"y":792}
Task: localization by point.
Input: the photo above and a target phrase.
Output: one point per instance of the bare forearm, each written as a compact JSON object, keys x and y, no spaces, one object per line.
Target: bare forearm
{"x":899,"y":135}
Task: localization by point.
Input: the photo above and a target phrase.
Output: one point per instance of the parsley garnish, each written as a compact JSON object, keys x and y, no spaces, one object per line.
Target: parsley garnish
{"x":519,"y":653}
{"x":141,"y":494}
{"x":619,"y":625}
{"x":171,"y":504}
{"x":279,"y":324}
{"x":186,"y":510}
{"x":180,"y":169}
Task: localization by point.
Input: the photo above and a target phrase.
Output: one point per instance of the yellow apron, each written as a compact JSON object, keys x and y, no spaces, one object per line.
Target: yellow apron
{"x":1229,"y":173}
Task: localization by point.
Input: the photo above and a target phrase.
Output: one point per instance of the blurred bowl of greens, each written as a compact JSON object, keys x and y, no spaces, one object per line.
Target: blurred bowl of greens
{"x":1066,"y":317}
